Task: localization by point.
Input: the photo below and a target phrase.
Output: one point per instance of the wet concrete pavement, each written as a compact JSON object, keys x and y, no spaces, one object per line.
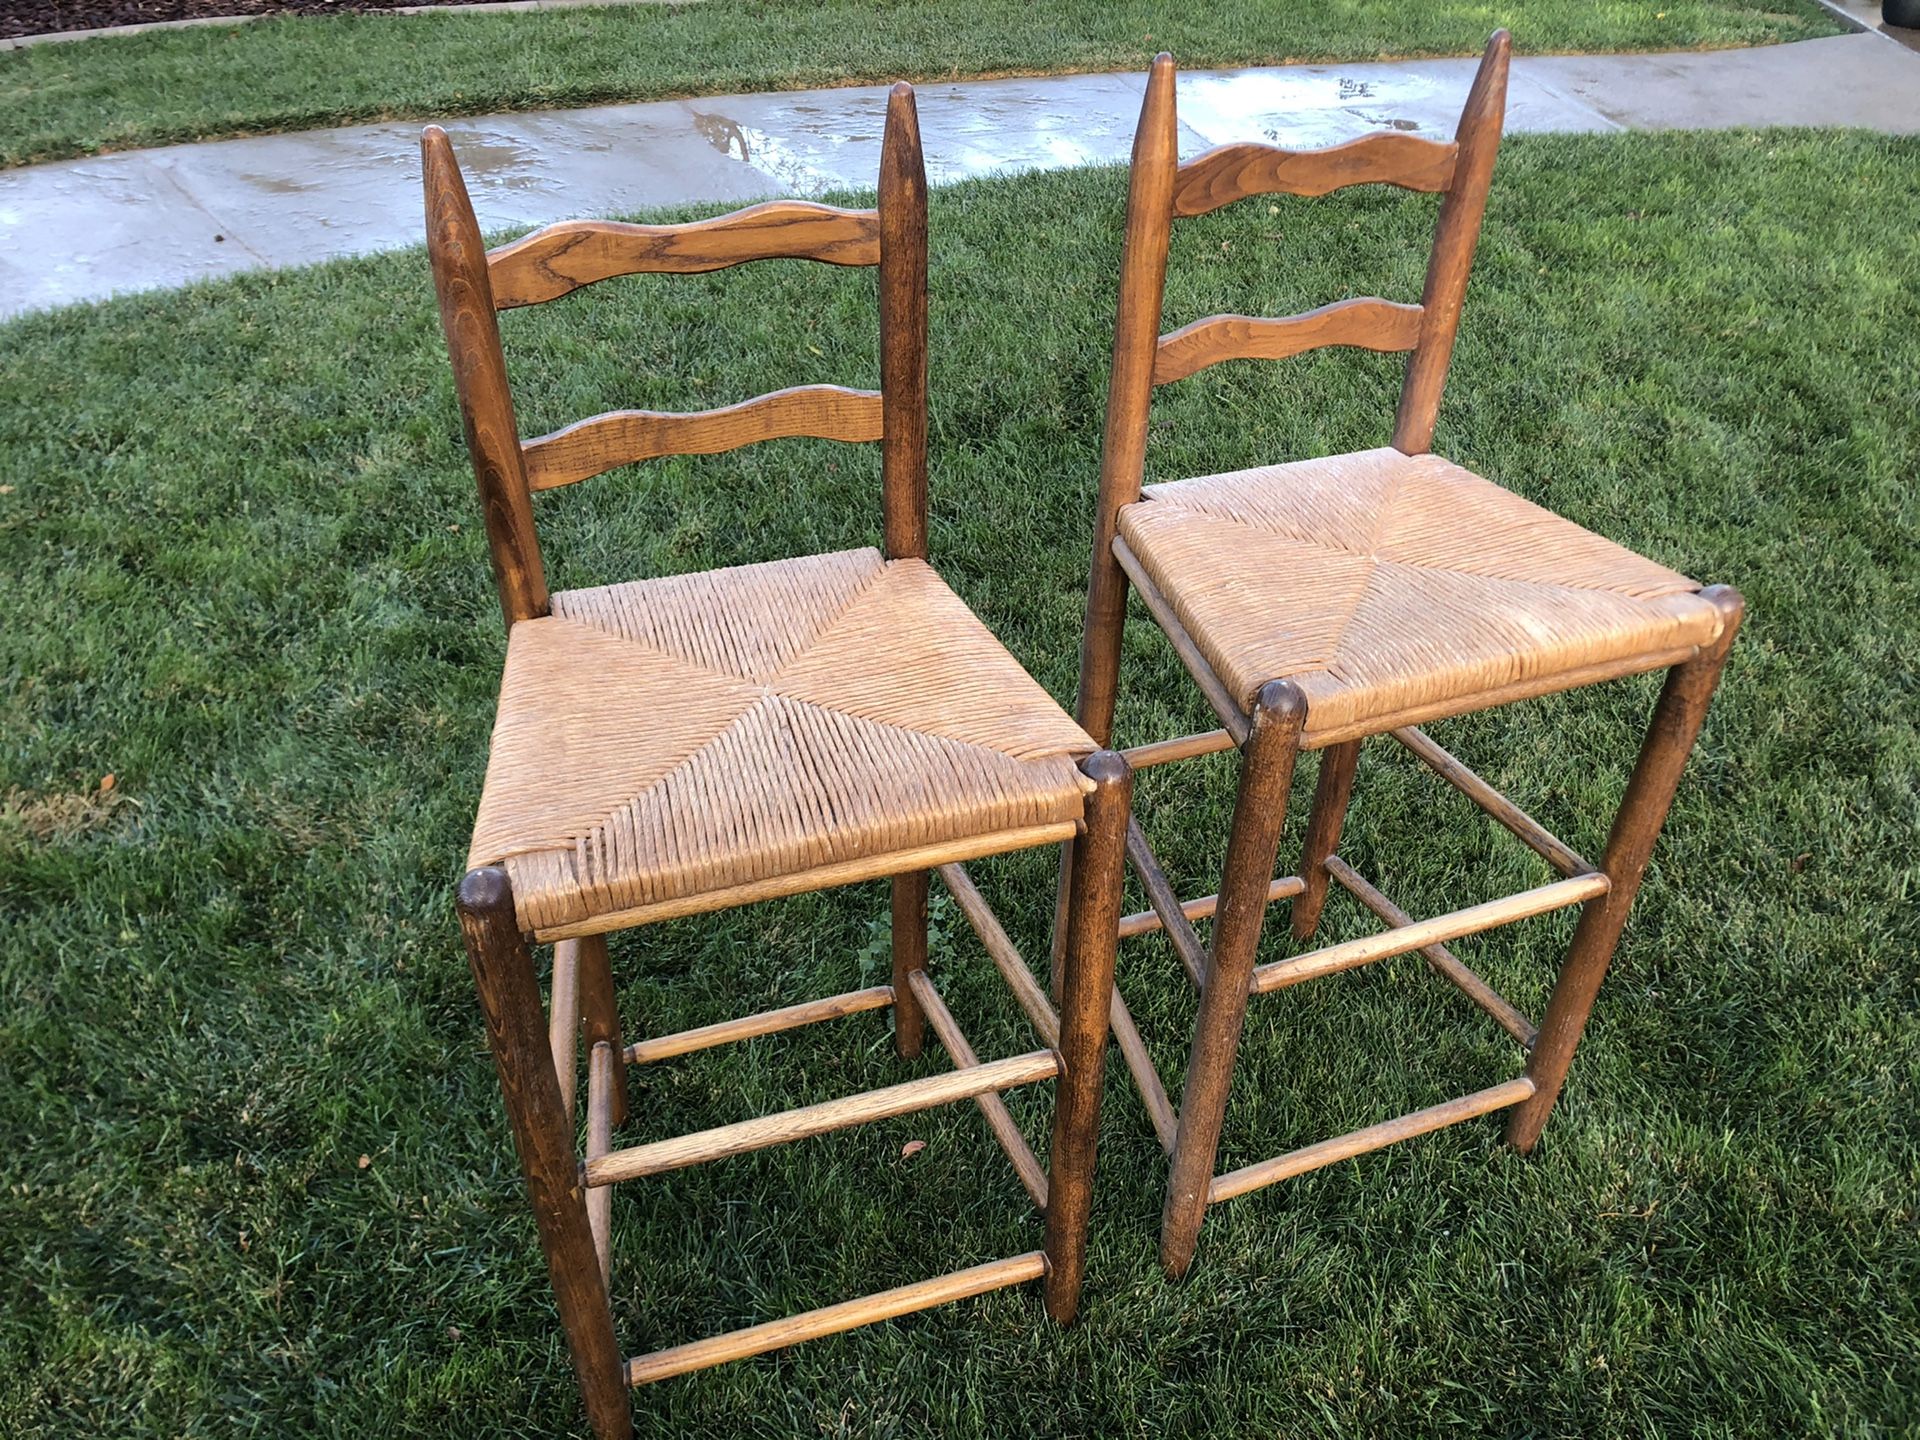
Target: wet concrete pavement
{"x":85,"y":229}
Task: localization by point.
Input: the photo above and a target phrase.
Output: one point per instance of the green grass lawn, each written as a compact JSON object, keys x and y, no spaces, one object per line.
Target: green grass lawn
{"x":257,"y":1178}
{"x":297,"y":73}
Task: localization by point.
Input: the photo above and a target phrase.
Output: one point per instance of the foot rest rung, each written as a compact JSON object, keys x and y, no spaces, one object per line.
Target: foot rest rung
{"x":1186,"y":747}
{"x":1529,"y":831}
{"x":767,"y":1022}
{"x":999,"y":1118}
{"x":746,"y":1135}
{"x":1444,"y":961}
{"x":1002,"y":951}
{"x":1374,"y":1137}
{"x":1145,"y":922}
{"x":1401,"y":939}
{"x":1166,"y":904}
{"x":1146,"y":1078}
{"x":832,"y":1319}
{"x":600,"y":1097}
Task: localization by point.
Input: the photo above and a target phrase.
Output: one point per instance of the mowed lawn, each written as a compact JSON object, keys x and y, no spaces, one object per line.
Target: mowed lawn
{"x":257,"y":1178}
{"x":306,"y":71}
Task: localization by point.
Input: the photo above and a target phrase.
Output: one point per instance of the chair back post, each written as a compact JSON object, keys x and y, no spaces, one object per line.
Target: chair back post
{"x":1136,"y":335}
{"x":1455,"y":235}
{"x":903,"y":329}
{"x":472,"y":329}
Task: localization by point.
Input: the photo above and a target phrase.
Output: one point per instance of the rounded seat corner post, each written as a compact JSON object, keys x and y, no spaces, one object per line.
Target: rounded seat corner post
{"x":1677,"y":717}
{"x":1259,"y":813}
{"x":1086,"y":987}
{"x":543,"y":1135}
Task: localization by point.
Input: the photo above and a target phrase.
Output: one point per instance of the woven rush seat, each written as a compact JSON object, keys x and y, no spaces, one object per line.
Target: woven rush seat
{"x":1388,"y":585}
{"x":660,"y":739}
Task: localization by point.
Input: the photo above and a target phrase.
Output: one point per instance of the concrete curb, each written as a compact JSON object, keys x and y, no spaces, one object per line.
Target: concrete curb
{"x":82,"y":229}
{"x":59,"y":37}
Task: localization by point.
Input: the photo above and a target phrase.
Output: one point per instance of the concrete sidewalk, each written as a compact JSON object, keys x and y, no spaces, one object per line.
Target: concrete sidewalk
{"x":85,"y":229}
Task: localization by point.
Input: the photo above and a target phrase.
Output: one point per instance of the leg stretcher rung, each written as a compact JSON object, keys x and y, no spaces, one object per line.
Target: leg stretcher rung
{"x":563,"y":1024}
{"x":1166,"y":904}
{"x":1401,"y":939}
{"x":600,"y":1097}
{"x":829,"y":1115}
{"x":1146,"y":1076}
{"x":1186,"y":747}
{"x":833,"y":1319}
{"x":1374,"y":1137}
{"x":767,"y":1022}
{"x":1443,"y":960}
{"x":1284,"y":887}
{"x":1000,"y":948}
{"x":1530,"y":832}
{"x":999,"y":1118}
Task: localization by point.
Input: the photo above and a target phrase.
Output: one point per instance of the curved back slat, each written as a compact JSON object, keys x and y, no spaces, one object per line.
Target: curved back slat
{"x":558,"y":259}
{"x":621,"y":437}
{"x":1367,"y":323}
{"x":1235,"y":172}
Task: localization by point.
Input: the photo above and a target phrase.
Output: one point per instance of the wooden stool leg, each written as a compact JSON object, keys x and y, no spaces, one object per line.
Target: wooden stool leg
{"x":909,"y":954}
{"x":516,"y":1030}
{"x":1330,"y":796}
{"x":600,"y":1016}
{"x":1062,"y":912}
{"x":1259,"y":812}
{"x":1656,"y":775}
{"x":1086,"y":988}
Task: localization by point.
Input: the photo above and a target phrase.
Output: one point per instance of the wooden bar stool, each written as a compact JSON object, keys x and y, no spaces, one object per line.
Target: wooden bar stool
{"x":1321,"y":602}
{"x":671,"y":746}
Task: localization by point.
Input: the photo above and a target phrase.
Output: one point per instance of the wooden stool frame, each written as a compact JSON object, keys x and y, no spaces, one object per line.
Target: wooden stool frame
{"x":1279,"y":726}
{"x":535,"y":1046}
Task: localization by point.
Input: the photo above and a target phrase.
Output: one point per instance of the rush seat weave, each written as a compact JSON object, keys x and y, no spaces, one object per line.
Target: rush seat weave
{"x":1383,"y":583}
{"x":661,"y":738}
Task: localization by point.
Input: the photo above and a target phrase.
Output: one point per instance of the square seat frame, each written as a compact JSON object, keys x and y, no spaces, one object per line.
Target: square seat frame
{"x":1271,"y":732}
{"x":536,"y":1045}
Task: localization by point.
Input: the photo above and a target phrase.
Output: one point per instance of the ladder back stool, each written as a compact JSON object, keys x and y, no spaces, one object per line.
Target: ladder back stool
{"x":1320,"y":602}
{"x":666,"y":747}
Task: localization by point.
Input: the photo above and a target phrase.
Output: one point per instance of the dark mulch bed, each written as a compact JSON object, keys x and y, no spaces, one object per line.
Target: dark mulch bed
{"x":43,"y":17}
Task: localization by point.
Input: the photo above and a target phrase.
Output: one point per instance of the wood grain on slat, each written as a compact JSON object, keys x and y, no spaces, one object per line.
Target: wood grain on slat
{"x":832,"y":1319}
{"x":1374,"y":1137}
{"x":620,"y":437}
{"x":746,"y":1135}
{"x":1369,"y":323}
{"x":1234,"y":172}
{"x":556,"y":260}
